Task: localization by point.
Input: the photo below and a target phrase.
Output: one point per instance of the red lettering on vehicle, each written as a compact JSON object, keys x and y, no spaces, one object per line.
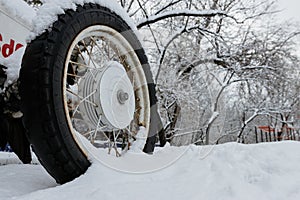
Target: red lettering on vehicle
{"x":7,"y":49}
{"x":18,"y":46}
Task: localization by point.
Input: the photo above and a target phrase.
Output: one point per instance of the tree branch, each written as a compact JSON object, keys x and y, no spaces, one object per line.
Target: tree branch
{"x":177,"y":13}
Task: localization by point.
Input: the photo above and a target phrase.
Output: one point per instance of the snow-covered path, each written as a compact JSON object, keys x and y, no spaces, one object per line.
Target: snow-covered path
{"x":229,"y":171}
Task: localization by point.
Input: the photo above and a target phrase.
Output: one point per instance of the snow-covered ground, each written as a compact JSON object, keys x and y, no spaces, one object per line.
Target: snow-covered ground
{"x":229,"y":171}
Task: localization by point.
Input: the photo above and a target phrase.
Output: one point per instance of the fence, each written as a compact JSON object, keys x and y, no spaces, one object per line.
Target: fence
{"x":269,"y":134}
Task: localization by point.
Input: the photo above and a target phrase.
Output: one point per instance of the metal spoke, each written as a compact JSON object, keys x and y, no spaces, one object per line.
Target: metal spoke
{"x":97,"y":127}
{"x":100,"y":49}
{"x":94,"y":76}
{"x":74,"y":75}
{"x":107,"y":50}
{"x":116,"y":136}
{"x":82,"y":100}
{"x":80,"y":64}
{"x":113,"y":144}
{"x":80,"y":52}
{"x":89,"y":53}
{"x":103,"y":52}
{"x":129,"y":132}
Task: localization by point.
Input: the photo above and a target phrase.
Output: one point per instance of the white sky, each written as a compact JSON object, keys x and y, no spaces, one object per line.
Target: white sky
{"x":291,"y":9}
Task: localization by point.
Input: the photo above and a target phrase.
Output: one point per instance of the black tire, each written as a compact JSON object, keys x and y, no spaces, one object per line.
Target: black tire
{"x":41,"y":89}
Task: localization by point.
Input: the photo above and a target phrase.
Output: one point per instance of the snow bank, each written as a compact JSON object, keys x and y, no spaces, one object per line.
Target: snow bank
{"x":7,"y":158}
{"x":48,"y":13}
{"x":229,"y":171}
{"x":23,"y":179}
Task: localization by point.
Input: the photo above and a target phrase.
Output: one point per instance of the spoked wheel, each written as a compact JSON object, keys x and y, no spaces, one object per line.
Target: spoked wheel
{"x":85,"y":80}
{"x":105,"y":88}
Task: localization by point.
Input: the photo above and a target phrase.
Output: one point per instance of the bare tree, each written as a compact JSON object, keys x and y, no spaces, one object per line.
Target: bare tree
{"x":205,"y":51}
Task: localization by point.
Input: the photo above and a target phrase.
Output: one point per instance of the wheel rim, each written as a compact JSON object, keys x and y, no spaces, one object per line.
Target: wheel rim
{"x":106,"y":97}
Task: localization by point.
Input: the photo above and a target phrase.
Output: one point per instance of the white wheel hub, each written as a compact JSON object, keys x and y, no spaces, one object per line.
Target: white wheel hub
{"x":113,"y":94}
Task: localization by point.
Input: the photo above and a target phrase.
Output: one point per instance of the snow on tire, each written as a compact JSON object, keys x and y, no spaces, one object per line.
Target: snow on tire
{"x":87,"y":77}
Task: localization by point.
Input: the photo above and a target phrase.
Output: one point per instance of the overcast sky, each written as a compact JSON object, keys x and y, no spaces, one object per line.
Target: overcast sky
{"x":291,"y":9}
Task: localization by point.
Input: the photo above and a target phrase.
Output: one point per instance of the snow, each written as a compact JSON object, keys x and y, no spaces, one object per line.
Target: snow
{"x":48,"y":13}
{"x":229,"y":171}
{"x":213,"y":117}
{"x":139,"y":143}
{"x":13,"y":64}
{"x":8,"y":158}
{"x":20,"y":10}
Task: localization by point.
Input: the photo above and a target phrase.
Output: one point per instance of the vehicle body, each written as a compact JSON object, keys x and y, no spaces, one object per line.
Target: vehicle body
{"x":13,"y":34}
{"x":14,"y":31}
{"x":86,"y":77}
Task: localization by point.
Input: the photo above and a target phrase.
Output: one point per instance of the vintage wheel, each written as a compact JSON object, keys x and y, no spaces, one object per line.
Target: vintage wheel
{"x":87,"y":77}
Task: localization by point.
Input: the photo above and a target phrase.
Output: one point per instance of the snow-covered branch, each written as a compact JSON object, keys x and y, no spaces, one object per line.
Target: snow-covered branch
{"x":175,"y":13}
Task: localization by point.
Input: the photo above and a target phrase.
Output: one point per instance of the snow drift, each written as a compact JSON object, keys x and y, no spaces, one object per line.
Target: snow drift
{"x":229,"y":171}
